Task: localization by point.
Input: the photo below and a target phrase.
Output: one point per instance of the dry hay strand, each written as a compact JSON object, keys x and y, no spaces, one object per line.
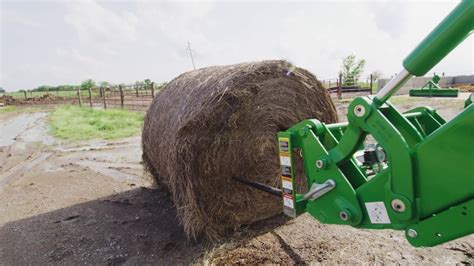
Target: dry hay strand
{"x":211,"y":124}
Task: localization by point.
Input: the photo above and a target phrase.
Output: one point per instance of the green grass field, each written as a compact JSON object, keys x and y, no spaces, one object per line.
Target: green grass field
{"x":76,"y":123}
{"x":8,"y":109}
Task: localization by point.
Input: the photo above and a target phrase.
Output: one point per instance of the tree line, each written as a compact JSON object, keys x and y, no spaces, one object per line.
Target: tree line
{"x":85,"y":85}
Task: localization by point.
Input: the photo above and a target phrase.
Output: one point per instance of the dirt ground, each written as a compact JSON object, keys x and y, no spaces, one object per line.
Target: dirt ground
{"x":89,"y":202}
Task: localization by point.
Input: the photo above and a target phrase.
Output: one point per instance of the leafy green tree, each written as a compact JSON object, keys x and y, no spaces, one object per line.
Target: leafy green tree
{"x":2,"y":90}
{"x":88,"y":84}
{"x":147,"y":83}
{"x":351,"y":69}
{"x":104,"y":84}
{"x":63,"y":88}
{"x":139,"y":83}
{"x":43,"y":88}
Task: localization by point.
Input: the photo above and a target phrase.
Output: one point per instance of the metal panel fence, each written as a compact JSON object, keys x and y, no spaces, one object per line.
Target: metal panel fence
{"x":339,"y":86}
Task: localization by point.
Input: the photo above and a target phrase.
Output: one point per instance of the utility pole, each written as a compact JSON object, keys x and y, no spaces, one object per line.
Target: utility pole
{"x":191,"y":54}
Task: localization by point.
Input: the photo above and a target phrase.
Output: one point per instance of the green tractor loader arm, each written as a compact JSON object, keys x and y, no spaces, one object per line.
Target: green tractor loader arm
{"x":417,"y":173}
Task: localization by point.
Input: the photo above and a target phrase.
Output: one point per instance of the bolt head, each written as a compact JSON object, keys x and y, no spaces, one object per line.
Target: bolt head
{"x":359,"y":110}
{"x":344,"y":215}
{"x":320,"y":164}
{"x":412,"y":233}
{"x":304,"y":131}
{"x":398,"y":205}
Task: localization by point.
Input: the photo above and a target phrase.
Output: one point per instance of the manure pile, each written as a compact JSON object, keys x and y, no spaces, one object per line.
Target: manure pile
{"x":211,"y":124}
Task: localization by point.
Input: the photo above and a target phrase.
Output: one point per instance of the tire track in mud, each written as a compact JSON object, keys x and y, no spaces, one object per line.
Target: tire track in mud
{"x":19,"y":133}
{"x":22,"y":168}
{"x":102,"y":157}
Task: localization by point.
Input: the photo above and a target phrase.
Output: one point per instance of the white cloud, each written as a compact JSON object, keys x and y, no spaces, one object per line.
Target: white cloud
{"x":128,"y":41}
{"x":9,"y":15}
{"x":390,"y":17}
{"x":175,"y":23}
{"x":73,"y":56}
{"x":95,"y":24}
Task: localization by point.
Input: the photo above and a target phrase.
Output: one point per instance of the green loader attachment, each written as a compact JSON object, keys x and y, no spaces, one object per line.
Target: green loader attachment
{"x":433,"y":89}
{"x":417,"y":173}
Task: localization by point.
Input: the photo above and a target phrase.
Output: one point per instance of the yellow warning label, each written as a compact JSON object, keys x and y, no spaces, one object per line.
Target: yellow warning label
{"x":284,"y":145}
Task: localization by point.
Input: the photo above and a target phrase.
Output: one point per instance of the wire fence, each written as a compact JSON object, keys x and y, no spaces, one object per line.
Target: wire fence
{"x":132,"y":97}
{"x":139,"y":96}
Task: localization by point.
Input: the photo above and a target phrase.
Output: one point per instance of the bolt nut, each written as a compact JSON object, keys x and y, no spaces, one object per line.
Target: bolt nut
{"x":359,"y":110}
{"x":304,"y":131}
{"x":398,"y":205}
{"x":320,"y":164}
{"x":344,"y":216}
{"x":412,"y":233}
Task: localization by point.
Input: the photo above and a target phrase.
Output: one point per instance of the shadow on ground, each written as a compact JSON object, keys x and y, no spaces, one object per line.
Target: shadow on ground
{"x":137,"y":226}
{"x":134,"y":227}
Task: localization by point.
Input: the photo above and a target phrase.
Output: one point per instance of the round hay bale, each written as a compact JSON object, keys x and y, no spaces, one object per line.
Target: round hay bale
{"x":211,"y":124}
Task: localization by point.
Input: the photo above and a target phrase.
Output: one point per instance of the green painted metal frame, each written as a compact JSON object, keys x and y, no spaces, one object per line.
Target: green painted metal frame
{"x":469,"y":100}
{"x":427,"y":186}
{"x":432,"y":89}
{"x":421,"y":149}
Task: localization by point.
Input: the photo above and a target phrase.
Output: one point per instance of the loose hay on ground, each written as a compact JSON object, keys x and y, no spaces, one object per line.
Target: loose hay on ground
{"x":210,"y":124}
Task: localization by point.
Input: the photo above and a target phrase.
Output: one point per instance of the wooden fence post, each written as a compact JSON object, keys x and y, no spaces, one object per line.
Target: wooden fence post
{"x":121,"y":95}
{"x":90,"y":97}
{"x":339,"y":89}
{"x":371,"y":84}
{"x":26,"y":97}
{"x":103,"y":97}
{"x":136,"y":89}
{"x":79,"y":96}
{"x":153,"y":90}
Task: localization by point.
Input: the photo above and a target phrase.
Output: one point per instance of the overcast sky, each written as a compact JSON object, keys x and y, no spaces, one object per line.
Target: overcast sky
{"x":66,"y":42}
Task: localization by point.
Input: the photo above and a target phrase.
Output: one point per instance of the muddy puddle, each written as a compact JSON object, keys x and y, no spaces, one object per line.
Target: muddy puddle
{"x":26,"y":141}
{"x":28,"y":127}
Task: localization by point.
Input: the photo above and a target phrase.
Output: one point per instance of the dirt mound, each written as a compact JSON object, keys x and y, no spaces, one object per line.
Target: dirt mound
{"x":47,"y":98}
{"x":211,"y":124}
{"x":42,"y":99}
{"x":7,"y":100}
